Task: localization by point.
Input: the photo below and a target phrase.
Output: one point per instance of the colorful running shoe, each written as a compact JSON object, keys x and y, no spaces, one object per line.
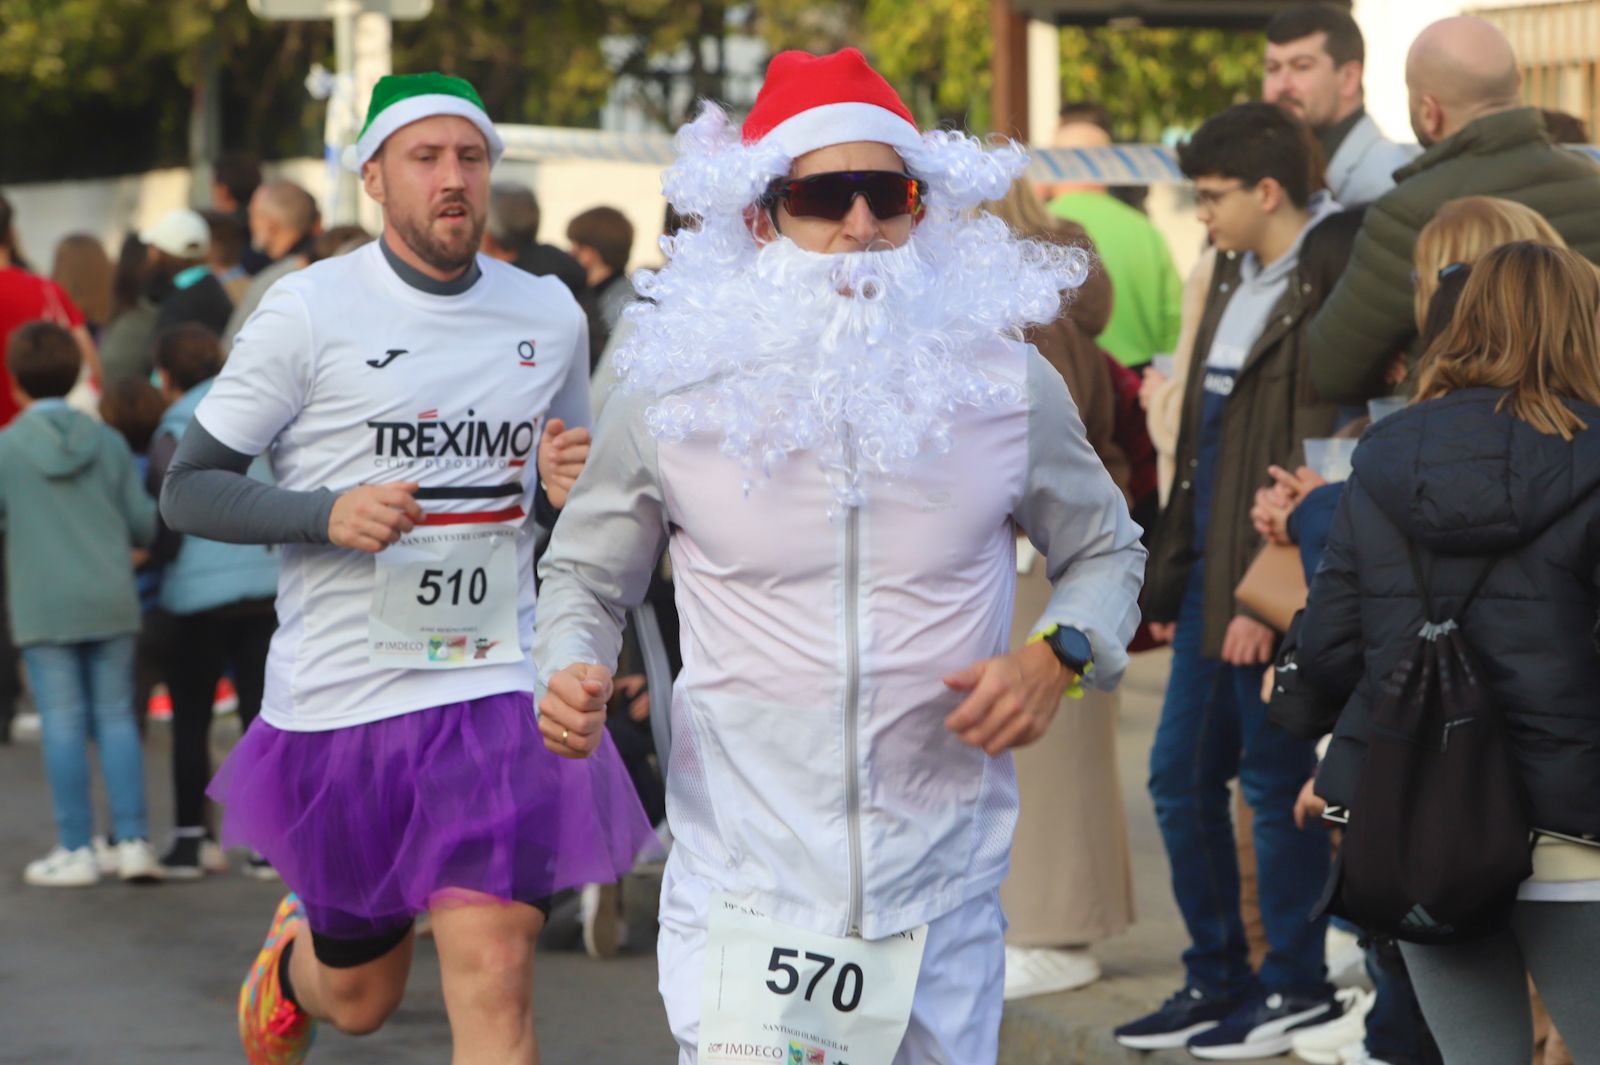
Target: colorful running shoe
{"x":274,"y":1030}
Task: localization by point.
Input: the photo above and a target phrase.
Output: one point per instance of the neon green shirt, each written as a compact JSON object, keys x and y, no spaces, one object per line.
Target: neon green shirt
{"x":1146,"y":292}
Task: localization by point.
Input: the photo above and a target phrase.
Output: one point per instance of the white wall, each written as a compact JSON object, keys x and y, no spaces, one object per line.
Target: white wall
{"x":109,"y":207}
{"x":567,"y":187}
{"x":1389,"y":27}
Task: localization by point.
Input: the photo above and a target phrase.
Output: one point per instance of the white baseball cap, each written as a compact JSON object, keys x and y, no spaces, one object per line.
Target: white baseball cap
{"x":182,"y":234}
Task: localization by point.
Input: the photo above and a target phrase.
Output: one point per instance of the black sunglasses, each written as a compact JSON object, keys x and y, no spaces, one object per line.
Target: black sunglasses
{"x":889,"y":194}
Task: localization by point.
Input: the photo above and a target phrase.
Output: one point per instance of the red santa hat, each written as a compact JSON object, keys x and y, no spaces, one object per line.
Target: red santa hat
{"x":811,"y":101}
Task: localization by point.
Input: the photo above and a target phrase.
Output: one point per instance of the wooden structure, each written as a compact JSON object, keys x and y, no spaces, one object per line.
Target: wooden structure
{"x":1008,"y":21}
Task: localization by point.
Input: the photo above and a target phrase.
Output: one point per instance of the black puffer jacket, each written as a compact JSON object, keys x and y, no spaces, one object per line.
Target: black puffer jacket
{"x":1466,"y":482}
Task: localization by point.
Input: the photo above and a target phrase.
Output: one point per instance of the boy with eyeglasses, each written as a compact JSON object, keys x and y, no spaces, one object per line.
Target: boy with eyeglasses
{"x":1248,"y":404}
{"x":825,"y":416}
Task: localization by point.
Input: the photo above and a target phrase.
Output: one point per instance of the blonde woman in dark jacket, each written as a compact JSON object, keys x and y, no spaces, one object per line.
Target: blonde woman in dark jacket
{"x":1499,"y":457}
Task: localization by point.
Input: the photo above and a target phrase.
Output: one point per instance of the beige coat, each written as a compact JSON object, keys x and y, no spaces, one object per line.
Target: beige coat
{"x":1165,"y":413}
{"x":1071,"y":880}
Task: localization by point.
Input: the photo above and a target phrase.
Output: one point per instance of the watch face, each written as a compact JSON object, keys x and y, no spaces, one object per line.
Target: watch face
{"x":1074,"y":648}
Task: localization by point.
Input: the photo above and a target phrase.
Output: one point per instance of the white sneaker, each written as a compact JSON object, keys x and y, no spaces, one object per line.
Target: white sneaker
{"x":63,"y":868}
{"x":1044,"y":971}
{"x":1347,"y":962}
{"x":137,"y":861}
{"x":105,"y":856}
{"x":26,"y":726}
{"x":1356,"y":1054}
{"x":654,"y":853}
{"x":600,"y":909}
{"x":1324,"y":1043}
{"x":213,"y":859}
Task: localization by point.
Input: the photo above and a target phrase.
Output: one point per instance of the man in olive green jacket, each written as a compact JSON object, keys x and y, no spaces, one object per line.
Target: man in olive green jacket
{"x":1464,"y":84}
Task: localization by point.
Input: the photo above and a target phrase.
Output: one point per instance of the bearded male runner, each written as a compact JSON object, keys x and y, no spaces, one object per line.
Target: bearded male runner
{"x":397,"y":767}
{"x":828,"y":417}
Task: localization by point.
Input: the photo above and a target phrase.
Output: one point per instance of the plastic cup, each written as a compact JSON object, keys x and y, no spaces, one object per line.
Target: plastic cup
{"x":1379,"y":409}
{"x":1165,"y":365}
{"x":1330,"y":457}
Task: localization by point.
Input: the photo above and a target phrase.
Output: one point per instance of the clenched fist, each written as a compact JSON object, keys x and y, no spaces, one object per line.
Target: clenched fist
{"x":572,"y":714}
{"x":562,"y":453}
{"x":373,"y":516}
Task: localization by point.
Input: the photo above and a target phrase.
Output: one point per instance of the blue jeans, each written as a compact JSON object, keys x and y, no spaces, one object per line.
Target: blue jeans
{"x":1213,"y":728}
{"x":71,"y":683}
{"x":1396,"y":1032}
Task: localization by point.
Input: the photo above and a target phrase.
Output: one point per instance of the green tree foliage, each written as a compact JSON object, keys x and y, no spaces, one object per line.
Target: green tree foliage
{"x":534,"y":63}
{"x":1155,"y":79}
{"x":107,"y":86}
{"x":92,"y":87}
{"x":937,"y":53}
{"x":557,"y":67}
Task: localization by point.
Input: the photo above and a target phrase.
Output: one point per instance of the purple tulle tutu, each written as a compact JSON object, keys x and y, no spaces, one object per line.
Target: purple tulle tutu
{"x":371,"y":825}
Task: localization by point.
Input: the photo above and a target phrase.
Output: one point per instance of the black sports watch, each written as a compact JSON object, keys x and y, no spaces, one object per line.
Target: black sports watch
{"x":1072,"y":648}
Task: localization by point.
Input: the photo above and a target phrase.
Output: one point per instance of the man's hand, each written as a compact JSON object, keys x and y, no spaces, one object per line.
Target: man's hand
{"x":1309,"y":806}
{"x":1248,"y":642}
{"x":373,"y":516}
{"x":1011,"y":699}
{"x":1149,"y":385}
{"x":635,"y":688}
{"x":1270,"y":515}
{"x":562,"y":453}
{"x":1396,"y":373}
{"x":1297,"y":485}
{"x":572,"y":714}
{"x":1163,"y":631}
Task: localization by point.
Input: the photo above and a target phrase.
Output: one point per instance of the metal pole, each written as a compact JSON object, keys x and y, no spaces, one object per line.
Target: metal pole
{"x":347,"y":192}
{"x":373,"y":39}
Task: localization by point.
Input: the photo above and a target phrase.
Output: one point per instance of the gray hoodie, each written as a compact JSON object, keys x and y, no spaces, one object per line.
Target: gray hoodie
{"x":72,"y":506}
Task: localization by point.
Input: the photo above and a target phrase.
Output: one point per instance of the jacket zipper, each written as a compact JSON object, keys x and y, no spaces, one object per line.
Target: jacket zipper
{"x":852,"y":706}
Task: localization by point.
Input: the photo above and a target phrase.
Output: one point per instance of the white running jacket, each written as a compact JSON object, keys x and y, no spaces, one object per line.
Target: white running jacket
{"x":810,"y":767}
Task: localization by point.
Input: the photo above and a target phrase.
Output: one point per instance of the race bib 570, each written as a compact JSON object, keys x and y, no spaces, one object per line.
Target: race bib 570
{"x":775,"y":993}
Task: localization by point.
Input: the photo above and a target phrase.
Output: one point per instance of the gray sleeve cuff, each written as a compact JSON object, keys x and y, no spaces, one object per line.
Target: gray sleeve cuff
{"x":208,"y":492}
{"x":605,"y":546}
{"x":1078,"y":519}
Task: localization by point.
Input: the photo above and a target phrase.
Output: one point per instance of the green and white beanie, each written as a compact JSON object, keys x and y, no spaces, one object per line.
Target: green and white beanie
{"x":401,"y":99}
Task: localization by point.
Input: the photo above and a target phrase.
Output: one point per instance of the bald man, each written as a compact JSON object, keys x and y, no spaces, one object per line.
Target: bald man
{"x":1147,"y":295}
{"x":1463,"y":83}
{"x":283,"y":222}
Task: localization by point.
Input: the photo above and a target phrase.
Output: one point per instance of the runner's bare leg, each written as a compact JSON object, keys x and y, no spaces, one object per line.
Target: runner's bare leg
{"x":486,"y":961}
{"x":357,"y":1000}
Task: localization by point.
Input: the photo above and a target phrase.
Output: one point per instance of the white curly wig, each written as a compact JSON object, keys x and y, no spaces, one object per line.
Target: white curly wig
{"x":861,"y":358}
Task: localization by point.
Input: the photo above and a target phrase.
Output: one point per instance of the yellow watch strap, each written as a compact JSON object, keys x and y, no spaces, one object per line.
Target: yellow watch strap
{"x":1075,"y":689}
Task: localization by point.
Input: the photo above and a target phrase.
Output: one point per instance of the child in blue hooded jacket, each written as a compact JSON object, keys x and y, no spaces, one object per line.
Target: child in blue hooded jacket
{"x":73,"y":510}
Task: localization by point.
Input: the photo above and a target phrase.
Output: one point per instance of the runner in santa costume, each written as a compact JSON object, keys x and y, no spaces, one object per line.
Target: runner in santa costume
{"x":829,"y":420}
{"x":402,"y":392}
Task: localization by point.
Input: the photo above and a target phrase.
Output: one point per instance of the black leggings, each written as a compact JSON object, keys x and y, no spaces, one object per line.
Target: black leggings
{"x":203,"y":646}
{"x":339,"y":953}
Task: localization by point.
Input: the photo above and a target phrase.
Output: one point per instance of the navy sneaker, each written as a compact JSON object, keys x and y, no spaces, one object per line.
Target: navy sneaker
{"x":1263,"y":1025}
{"x":1181,"y":1018}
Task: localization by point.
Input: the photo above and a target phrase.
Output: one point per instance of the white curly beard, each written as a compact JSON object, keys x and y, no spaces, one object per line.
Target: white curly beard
{"x":861,"y":358}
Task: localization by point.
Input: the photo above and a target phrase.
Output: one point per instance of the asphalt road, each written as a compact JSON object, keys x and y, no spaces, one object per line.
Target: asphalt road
{"x":124,"y":975}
